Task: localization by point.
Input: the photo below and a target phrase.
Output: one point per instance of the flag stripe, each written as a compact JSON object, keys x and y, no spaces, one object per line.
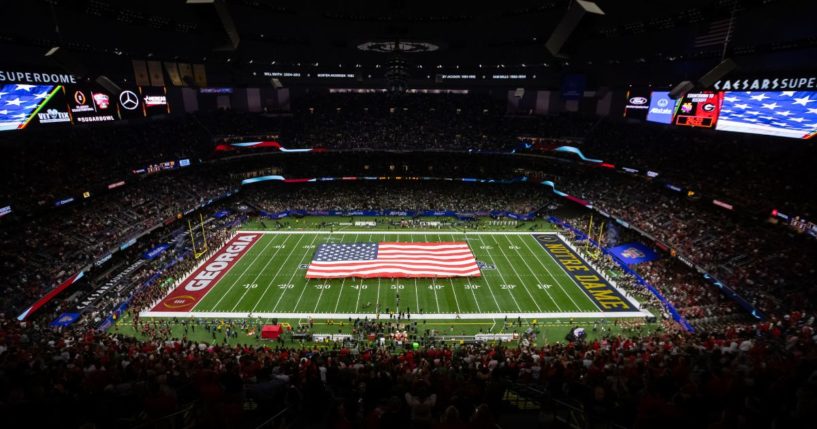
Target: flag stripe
{"x":368,"y":260}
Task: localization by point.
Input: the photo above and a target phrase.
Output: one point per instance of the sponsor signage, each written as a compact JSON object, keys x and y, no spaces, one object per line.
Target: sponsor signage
{"x":184,"y":162}
{"x":5,"y":211}
{"x":52,"y":116}
{"x":661,"y":107}
{"x":194,"y":287}
{"x":156,"y":251}
{"x":638,"y":104}
{"x":772,"y":83}
{"x":63,"y":201}
{"x":154,"y":101}
{"x":104,"y":259}
{"x":127,"y":244}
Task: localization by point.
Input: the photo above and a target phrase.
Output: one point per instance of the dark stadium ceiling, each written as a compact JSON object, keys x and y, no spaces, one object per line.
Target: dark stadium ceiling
{"x":633,"y":36}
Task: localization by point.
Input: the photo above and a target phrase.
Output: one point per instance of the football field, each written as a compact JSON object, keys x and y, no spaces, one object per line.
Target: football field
{"x":521,"y":274}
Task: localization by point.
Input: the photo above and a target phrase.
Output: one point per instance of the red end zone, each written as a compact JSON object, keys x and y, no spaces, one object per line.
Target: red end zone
{"x":196,"y":285}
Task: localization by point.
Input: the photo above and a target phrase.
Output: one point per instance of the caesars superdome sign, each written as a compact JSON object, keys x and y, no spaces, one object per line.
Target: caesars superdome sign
{"x":773,"y":83}
{"x":7,"y":76}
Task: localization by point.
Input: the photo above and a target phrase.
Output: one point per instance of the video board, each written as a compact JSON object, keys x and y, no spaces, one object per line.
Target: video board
{"x":24,"y":104}
{"x":155,"y":100}
{"x":90,"y":105}
{"x":698,"y":109}
{"x":791,"y":114}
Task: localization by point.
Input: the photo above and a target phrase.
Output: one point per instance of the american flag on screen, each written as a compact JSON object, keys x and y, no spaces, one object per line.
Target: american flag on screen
{"x":391,"y":260}
{"x":785,"y":114}
{"x":19,"y":102}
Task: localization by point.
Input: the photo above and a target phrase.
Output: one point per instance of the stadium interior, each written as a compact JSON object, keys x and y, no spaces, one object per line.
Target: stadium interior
{"x":279,"y":214}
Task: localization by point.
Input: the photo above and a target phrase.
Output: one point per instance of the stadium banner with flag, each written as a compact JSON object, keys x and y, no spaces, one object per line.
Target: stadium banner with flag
{"x":393,"y":260}
{"x":634,"y":253}
{"x":65,"y":319}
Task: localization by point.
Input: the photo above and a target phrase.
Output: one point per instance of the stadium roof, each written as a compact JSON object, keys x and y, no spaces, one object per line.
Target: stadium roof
{"x":632,"y":38}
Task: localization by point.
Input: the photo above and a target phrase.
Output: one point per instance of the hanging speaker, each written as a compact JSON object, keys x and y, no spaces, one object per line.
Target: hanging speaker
{"x":108,"y":85}
{"x":575,"y":12}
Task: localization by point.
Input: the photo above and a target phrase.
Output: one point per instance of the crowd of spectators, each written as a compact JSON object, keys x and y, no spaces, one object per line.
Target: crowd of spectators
{"x":39,"y":253}
{"x":745,"y":376}
{"x":402,"y":196}
{"x":698,"y":302}
{"x":764,"y":264}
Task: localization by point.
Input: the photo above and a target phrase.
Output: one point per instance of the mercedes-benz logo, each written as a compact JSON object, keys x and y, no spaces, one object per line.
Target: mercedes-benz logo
{"x":128,"y":100}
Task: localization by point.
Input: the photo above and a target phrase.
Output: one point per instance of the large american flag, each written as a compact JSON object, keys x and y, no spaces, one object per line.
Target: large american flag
{"x":785,"y":113}
{"x":368,"y":260}
{"x":19,"y":102}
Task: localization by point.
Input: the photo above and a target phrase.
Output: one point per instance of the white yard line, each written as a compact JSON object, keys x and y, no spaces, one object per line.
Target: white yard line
{"x":521,"y":279}
{"x":510,"y":291}
{"x":339,"y":292}
{"x":342,"y":282}
{"x":487,"y":283}
{"x":272,"y":280}
{"x":306,"y":285}
{"x":269,"y":260}
{"x":250,"y":265}
{"x":456,"y":301}
{"x":433,"y":283}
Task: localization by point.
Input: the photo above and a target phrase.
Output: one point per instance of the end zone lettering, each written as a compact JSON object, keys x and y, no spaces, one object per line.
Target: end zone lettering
{"x":594,"y":285}
{"x":195,"y":287}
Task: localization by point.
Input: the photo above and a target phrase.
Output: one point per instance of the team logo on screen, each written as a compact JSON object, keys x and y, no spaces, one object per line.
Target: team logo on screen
{"x":129,"y":100}
{"x":708,"y":107}
{"x":102,"y":100}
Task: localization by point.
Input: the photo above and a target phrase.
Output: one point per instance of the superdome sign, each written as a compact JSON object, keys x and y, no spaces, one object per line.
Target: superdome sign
{"x":8,"y":76}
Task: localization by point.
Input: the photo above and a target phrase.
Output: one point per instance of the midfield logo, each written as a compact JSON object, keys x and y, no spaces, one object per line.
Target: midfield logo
{"x":485,"y":266}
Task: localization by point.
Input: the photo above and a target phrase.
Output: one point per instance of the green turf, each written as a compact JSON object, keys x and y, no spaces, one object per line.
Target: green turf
{"x":269,"y":278}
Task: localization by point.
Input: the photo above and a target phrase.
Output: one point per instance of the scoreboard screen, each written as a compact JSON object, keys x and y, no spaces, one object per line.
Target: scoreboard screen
{"x":699,"y":109}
